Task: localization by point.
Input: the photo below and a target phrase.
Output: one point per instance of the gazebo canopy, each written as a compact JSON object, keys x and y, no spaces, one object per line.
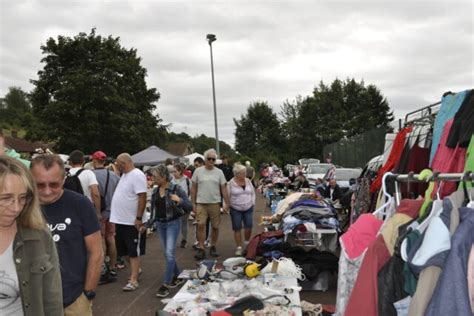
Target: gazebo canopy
{"x":151,"y":156}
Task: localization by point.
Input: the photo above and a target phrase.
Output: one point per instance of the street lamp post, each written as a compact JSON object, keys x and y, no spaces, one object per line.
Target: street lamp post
{"x":211,"y":38}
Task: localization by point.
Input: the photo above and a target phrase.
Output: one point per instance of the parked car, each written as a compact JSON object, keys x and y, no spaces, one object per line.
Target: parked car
{"x":345,"y":177}
{"x":307,"y":161}
{"x":317,"y":170}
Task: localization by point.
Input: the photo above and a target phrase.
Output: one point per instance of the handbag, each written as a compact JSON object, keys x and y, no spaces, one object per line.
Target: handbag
{"x":177,"y":209}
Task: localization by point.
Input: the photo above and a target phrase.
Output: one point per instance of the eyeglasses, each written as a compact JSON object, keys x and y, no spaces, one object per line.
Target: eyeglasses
{"x":51,"y":185}
{"x":10,"y":200}
{"x":211,"y":159}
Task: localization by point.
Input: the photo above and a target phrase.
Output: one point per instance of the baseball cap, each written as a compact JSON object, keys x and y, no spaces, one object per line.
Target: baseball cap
{"x":99,"y":155}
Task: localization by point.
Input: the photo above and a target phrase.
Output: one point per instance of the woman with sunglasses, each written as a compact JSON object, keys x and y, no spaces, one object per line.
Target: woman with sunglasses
{"x":30,"y":280}
{"x":166,"y":201}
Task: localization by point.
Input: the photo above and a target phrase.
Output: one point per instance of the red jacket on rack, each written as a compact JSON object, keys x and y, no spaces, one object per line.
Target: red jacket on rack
{"x":393,"y":158}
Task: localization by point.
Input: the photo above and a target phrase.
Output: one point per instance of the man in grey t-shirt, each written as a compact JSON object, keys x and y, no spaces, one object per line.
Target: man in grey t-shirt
{"x":207,"y":191}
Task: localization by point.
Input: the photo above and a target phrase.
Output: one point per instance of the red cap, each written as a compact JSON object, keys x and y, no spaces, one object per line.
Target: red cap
{"x":99,"y":155}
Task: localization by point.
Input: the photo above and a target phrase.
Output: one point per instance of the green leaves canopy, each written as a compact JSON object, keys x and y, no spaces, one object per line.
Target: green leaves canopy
{"x":92,"y":94}
{"x":333,"y":112}
{"x":258,"y":132}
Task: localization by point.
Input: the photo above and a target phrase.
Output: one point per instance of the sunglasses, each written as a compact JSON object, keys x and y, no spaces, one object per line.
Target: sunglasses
{"x":211,"y":159}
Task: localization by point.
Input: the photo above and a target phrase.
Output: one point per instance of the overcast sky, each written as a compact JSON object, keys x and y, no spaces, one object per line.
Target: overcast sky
{"x":272,"y":51}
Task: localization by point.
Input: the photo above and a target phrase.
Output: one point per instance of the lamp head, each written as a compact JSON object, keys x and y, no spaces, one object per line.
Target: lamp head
{"x":211,"y":38}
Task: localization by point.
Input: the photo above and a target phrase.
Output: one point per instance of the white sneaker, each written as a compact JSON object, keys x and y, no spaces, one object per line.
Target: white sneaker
{"x":238,"y":252}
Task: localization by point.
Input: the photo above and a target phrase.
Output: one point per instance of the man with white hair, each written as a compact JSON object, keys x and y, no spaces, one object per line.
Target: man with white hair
{"x":208,"y":186}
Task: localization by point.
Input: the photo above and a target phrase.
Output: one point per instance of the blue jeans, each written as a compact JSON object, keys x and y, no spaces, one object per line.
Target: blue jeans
{"x":237,"y":217}
{"x":168,"y":233}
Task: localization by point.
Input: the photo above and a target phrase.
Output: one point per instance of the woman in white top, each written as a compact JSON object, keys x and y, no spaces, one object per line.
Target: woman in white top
{"x":185,"y":183}
{"x":242,"y":201}
{"x":30,"y":279}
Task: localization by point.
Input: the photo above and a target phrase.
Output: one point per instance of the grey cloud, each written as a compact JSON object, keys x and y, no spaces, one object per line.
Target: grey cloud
{"x":265,"y":50}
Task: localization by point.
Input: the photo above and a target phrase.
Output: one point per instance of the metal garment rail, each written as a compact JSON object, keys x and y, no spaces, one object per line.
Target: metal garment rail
{"x":412,"y":177}
{"x":468,"y":176}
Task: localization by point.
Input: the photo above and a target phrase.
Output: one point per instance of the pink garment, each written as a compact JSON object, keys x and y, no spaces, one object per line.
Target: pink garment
{"x":360,"y":235}
{"x":364,"y":296}
{"x":448,"y":160}
{"x":470,"y":277}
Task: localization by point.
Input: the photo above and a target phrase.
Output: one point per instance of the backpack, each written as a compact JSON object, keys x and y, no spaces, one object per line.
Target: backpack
{"x":73,"y":183}
{"x":102,"y":198}
{"x":188,"y":182}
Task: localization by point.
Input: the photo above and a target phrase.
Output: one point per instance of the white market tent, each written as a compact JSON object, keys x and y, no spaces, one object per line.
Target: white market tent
{"x":151,"y":156}
{"x":193,"y":156}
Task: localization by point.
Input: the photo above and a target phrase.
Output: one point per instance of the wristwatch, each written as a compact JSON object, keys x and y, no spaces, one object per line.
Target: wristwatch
{"x":89,"y":294}
{"x":139,"y":218}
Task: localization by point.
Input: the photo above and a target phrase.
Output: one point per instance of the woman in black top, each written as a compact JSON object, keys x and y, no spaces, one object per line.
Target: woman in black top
{"x":168,"y":203}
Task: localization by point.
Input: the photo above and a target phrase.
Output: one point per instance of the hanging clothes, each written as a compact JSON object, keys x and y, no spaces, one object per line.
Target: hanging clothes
{"x":448,"y":160}
{"x":366,"y":287}
{"x":450,"y":105}
{"x":362,"y":200}
{"x":354,"y":244}
{"x":463,"y":125}
{"x":470,"y":276}
{"x":409,"y":279}
{"x":402,"y":165}
{"x":393,"y":158}
{"x":469,"y":165}
{"x":417,"y":160}
{"x":346,"y":278}
{"x":428,"y":273}
{"x":390,"y":279}
{"x":360,"y":235}
{"x":451,"y":296}
{"x":364,"y":296}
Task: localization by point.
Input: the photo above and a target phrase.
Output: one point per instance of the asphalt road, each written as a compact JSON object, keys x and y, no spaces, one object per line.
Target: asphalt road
{"x":111,"y":300}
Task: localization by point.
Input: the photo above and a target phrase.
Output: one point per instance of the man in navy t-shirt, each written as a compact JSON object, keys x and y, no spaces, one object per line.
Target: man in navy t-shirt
{"x":75,"y":228}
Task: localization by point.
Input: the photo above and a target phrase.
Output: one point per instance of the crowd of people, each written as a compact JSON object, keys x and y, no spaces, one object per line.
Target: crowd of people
{"x":67,"y":227}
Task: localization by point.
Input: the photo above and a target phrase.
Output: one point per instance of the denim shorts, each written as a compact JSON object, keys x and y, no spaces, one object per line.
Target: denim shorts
{"x":241,"y":216}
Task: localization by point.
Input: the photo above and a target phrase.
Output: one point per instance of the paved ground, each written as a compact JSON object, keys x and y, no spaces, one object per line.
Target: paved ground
{"x":111,"y":300}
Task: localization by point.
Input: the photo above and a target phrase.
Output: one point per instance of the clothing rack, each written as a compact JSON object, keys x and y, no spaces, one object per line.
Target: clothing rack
{"x":412,"y":177}
{"x":468,"y":176}
{"x":423,"y":115}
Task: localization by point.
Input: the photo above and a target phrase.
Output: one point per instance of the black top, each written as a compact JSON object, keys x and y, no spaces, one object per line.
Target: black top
{"x":70,"y":219}
{"x":160,"y":205}
{"x":463,"y":125}
{"x":336,"y":195}
{"x":227,"y":170}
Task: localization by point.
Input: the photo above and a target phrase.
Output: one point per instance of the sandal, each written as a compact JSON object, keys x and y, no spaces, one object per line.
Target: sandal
{"x":131,"y":286}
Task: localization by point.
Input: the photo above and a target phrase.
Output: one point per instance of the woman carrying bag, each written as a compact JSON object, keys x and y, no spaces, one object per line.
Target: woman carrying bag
{"x":169,"y":203}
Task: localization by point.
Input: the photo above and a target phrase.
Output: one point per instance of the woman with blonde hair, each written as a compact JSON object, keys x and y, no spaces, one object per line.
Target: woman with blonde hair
{"x":30,"y":280}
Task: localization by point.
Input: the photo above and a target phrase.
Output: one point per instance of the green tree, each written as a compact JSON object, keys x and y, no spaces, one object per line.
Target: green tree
{"x":91,"y":94}
{"x":16,"y":111}
{"x":201,"y":143}
{"x":341,"y":109}
{"x":291,"y":129}
{"x":258,"y":132}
